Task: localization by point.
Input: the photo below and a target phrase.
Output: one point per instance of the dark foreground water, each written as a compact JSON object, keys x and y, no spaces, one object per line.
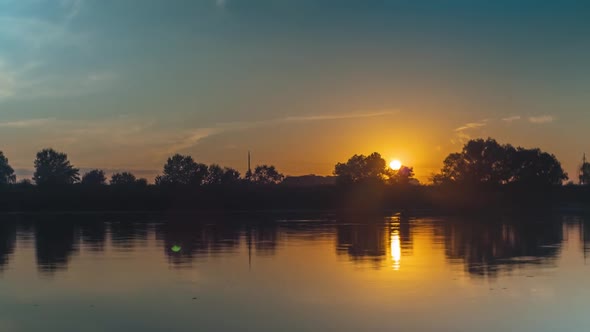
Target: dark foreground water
{"x":290,"y":272}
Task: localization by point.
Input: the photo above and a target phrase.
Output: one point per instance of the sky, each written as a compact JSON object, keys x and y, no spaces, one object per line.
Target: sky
{"x":124,"y":84}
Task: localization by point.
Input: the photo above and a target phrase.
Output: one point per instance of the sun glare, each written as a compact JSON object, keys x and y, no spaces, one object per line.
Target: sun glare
{"x":395,"y":165}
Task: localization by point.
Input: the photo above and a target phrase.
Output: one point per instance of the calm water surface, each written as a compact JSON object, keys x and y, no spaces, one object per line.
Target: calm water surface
{"x":290,"y":272}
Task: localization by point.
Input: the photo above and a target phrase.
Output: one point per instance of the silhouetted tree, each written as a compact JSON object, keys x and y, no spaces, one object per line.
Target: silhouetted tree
{"x":95,"y":177}
{"x":6,"y":172}
{"x":480,"y":161}
{"x":182,"y":170}
{"x":248,"y":175}
{"x":127,"y":179}
{"x":532,"y":166}
{"x":371,"y":168}
{"x":404,"y":175}
{"x":218,"y":175}
{"x":584,"y":172}
{"x":214,"y":174}
{"x":54,"y":168}
{"x":141,"y":182}
{"x":486,"y":161}
{"x":25,"y":183}
{"x":266,"y":174}
{"x":360,"y":168}
{"x":230,"y":176}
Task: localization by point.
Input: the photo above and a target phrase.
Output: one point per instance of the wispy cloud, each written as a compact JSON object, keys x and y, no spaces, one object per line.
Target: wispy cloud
{"x":460,"y":134}
{"x":512,"y":118}
{"x":30,"y":123}
{"x":541,"y":119}
{"x":7,"y":84}
{"x":132,"y":140}
{"x":323,"y":117}
{"x":193,"y":137}
{"x":220,"y":3}
{"x":30,"y":39}
{"x":460,"y":138}
{"x":71,"y":7}
{"x":471,"y":125}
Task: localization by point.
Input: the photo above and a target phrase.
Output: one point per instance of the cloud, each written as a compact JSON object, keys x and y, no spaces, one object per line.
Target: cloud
{"x":541,"y":119}
{"x":30,"y":39}
{"x":334,"y":116}
{"x":472,"y":125}
{"x":6,"y":84}
{"x":71,"y":7}
{"x":132,"y":140}
{"x":460,"y":136}
{"x":25,"y":81}
{"x":193,"y":137}
{"x":242,"y":125}
{"x":511,"y":118}
{"x":30,"y":123}
{"x":220,"y":3}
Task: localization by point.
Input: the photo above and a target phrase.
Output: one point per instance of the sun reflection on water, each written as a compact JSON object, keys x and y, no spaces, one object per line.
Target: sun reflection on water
{"x":396,"y":250}
{"x":395,"y":243}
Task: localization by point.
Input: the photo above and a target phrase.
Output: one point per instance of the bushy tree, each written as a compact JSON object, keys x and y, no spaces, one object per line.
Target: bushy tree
{"x":25,"y":183}
{"x":584,"y":177}
{"x":361,"y":168}
{"x":127,"y":179}
{"x":94,"y":177}
{"x":7,"y":175}
{"x":182,"y":170}
{"x":487,"y":162}
{"x":371,"y":169}
{"x":141,"y":182}
{"x":532,"y":166}
{"x":230,"y":176}
{"x":54,"y":168}
{"x":480,"y":161}
{"x":404,"y":175}
{"x":216,"y":175}
{"x":265,"y":174}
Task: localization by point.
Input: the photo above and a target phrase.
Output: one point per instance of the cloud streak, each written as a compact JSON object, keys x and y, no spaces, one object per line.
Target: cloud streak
{"x":334,"y":116}
{"x":30,"y":41}
{"x":193,"y":137}
{"x":471,"y":125}
{"x":541,"y":119}
{"x":511,"y":118}
{"x":30,"y":123}
{"x":123,"y":136}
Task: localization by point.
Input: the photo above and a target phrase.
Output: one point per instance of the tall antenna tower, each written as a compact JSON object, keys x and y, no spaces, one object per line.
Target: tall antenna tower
{"x":249,"y":172}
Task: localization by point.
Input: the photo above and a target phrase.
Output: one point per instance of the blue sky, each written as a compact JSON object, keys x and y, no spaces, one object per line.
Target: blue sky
{"x":303,"y":84}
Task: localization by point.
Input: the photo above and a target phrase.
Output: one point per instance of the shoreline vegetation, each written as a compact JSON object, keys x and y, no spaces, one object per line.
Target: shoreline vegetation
{"x":241,"y":198}
{"x":484,"y":176}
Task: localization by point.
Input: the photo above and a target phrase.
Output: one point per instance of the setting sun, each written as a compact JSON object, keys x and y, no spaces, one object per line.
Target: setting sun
{"x":395,"y":165}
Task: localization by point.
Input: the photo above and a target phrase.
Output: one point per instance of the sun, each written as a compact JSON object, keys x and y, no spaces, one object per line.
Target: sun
{"x":395,"y":165}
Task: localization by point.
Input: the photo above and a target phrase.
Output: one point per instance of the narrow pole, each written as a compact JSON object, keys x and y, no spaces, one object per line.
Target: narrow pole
{"x":249,"y":168}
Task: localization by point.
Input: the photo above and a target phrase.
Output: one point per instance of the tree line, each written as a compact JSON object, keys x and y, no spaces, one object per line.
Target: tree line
{"x":480,"y":162}
{"x":52,"y":168}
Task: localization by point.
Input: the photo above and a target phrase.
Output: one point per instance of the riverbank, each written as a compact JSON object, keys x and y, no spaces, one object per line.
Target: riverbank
{"x":439,"y":199}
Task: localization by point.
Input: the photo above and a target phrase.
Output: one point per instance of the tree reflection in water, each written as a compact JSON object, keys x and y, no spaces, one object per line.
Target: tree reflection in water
{"x":484,"y":246}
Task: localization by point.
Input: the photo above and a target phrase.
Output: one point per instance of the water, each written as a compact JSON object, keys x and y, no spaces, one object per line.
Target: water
{"x":293,"y":272}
